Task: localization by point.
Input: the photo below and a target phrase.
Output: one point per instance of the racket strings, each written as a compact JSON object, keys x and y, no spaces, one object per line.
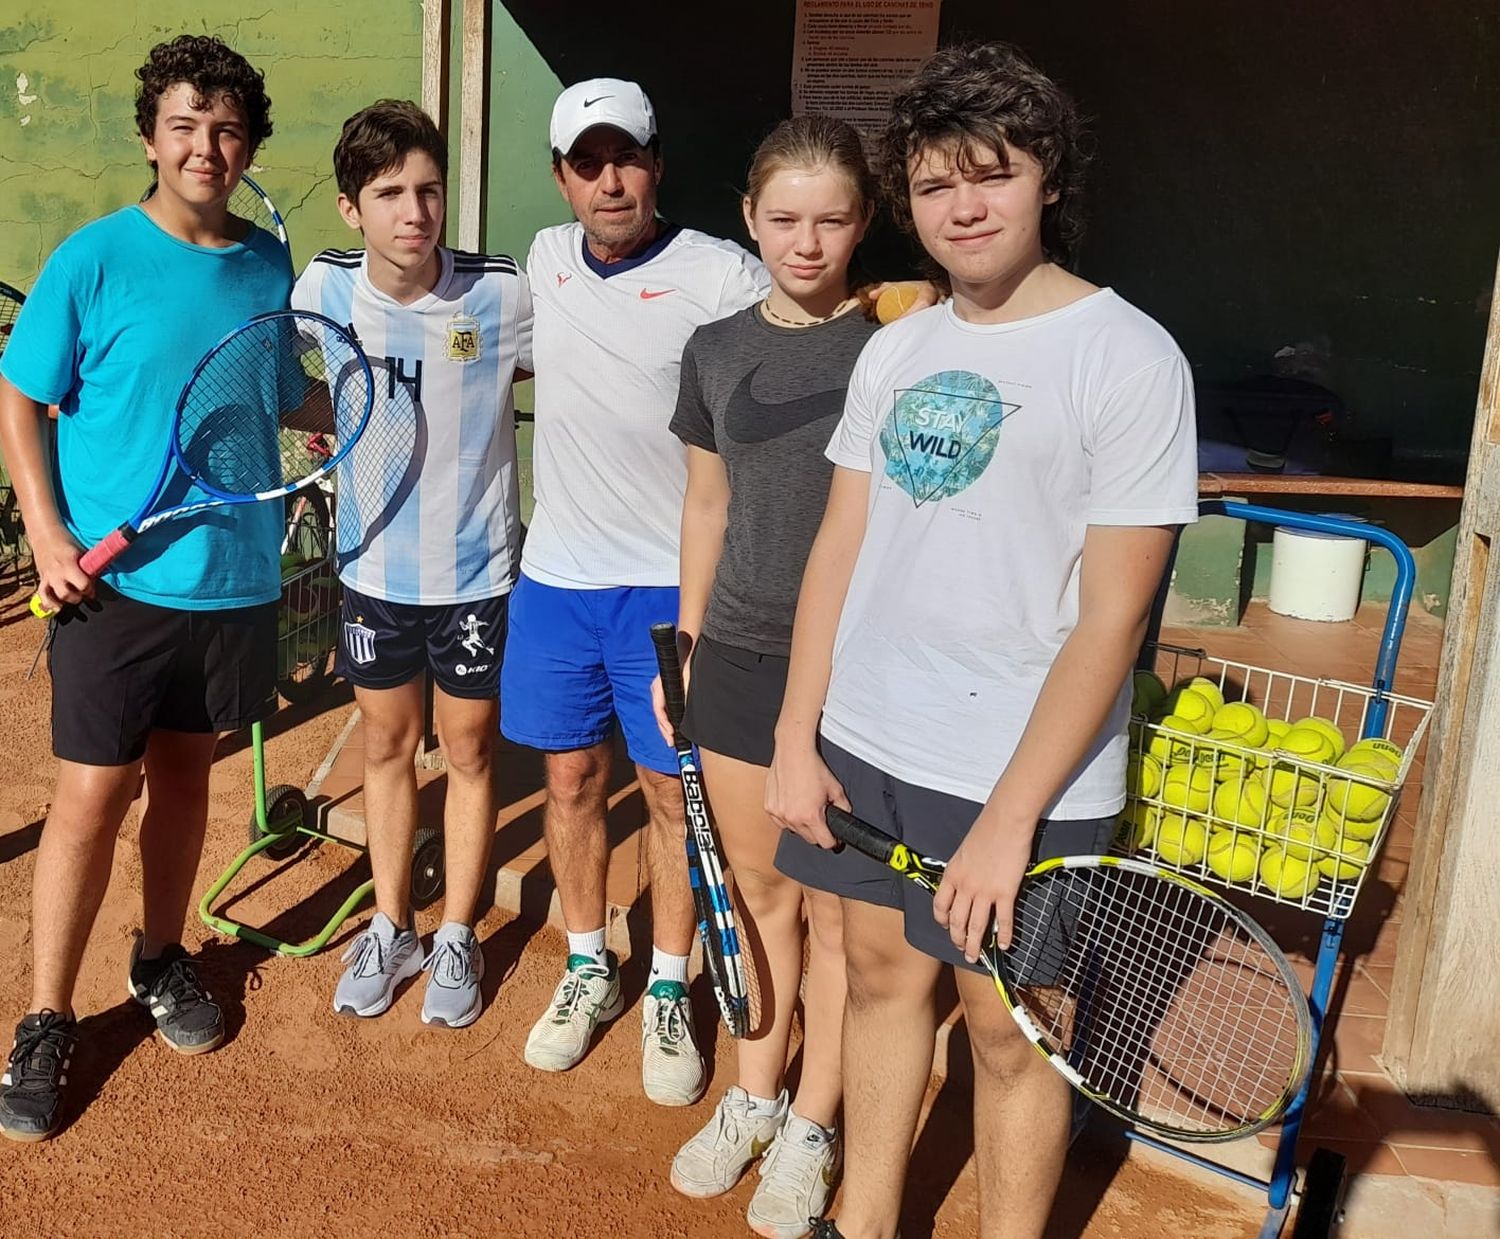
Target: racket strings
{"x":10,"y":310}
{"x":1160,"y":999}
{"x":376,"y":478}
{"x":267,"y":408}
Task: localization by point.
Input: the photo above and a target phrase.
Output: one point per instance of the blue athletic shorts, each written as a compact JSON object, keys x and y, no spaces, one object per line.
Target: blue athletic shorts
{"x":578,"y":659}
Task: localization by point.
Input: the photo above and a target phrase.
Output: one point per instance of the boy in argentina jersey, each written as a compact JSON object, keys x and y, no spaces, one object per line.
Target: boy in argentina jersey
{"x":428,"y":534}
{"x":1009,"y":470}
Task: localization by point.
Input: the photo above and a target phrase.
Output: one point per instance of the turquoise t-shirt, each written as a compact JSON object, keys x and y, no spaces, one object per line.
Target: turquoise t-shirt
{"x":118,"y":318}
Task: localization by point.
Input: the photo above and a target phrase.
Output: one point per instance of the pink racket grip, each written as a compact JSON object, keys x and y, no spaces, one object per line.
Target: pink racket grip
{"x":99,"y":556}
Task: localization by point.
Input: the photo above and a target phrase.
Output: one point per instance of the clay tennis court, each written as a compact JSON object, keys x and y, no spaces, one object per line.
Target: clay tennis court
{"x":305,"y":1121}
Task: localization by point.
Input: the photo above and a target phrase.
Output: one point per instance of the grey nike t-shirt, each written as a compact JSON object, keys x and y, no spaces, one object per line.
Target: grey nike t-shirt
{"x":766,"y":399}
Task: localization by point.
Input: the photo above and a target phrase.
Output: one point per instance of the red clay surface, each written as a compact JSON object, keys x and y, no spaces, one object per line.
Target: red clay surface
{"x":305,"y":1122}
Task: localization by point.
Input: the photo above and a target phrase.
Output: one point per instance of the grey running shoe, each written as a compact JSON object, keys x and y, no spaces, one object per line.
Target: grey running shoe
{"x":715,"y":1159}
{"x":454,"y":969}
{"x":797,"y":1176}
{"x":31,"y":1090}
{"x":186,"y":1015}
{"x":379,"y":959}
{"x":587,"y":996}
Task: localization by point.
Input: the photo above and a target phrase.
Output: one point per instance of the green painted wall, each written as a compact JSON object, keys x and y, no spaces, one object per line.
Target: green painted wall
{"x":68,"y":147}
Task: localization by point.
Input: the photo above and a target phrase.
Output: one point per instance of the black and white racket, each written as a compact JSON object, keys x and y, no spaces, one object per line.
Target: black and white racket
{"x":11,"y":301}
{"x":729,"y":965}
{"x":241,"y":425}
{"x":1154,"y":997}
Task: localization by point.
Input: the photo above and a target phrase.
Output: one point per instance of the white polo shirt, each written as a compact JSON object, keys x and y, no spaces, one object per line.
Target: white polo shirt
{"x":608,"y":342}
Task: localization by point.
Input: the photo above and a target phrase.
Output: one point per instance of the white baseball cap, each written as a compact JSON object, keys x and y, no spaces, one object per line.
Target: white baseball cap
{"x":601,"y":101}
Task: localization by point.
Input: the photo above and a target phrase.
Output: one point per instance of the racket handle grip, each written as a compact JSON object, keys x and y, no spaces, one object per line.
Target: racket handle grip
{"x":669,"y":664}
{"x":99,"y":556}
{"x":861,"y":836}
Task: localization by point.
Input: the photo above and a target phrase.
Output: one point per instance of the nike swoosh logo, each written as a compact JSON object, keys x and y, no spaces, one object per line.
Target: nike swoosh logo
{"x":648,"y":295}
{"x":588,"y":103}
{"x":748,"y":420}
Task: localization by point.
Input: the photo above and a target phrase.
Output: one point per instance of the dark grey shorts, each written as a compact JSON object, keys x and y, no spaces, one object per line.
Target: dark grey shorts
{"x":734,"y":698}
{"x":929,"y":822}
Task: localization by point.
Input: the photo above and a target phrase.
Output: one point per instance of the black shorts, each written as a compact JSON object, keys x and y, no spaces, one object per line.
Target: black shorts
{"x":387,"y":644}
{"x":122,"y":669}
{"x":734,"y":698}
{"x":930,"y":823}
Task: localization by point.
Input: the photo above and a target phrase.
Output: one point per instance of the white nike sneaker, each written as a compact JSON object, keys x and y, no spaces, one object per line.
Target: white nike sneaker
{"x":715,"y":1159}
{"x":797,"y":1176}
{"x":587,"y":996}
{"x":672,"y":1070}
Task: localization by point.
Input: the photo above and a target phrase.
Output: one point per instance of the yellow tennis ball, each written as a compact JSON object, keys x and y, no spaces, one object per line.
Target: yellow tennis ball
{"x":1342,"y":856}
{"x":1372,"y":758}
{"x":1307,"y":743}
{"x":1188,"y":787}
{"x":1292,"y":787}
{"x":1194,"y":708}
{"x":1232,"y":857}
{"x":1215,"y":751}
{"x":1138,"y":825}
{"x":1299,"y":835}
{"x":1242,"y":801}
{"x":1171,"y":741}
{"x":1328,"y":729}
{"x":1202,"y":684}
{"x":1287,"y":875}
{"x":1357,"y":802}
{"x":1181,"y":840}
{"x":1371,"y":747}
{"x":896,"y":299}
{"x":1147,"y":693}
{"x":1143,"y":775}
{"x":1243,"y":720}
{"x":1278,"y":727}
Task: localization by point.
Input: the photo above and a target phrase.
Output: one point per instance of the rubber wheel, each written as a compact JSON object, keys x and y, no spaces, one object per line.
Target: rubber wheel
{"x":286,"y":809}
{"x":1321,"y":1207}
{"x":426,"y":867}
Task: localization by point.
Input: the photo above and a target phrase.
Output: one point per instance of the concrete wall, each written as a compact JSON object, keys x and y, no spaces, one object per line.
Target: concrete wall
{"x":68,"y":145}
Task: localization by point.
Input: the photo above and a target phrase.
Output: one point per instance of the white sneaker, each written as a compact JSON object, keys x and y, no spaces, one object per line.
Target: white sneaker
{"x":797,"y":1176}
{"x":587,"y":996}
{"x":671,"y":1068}
{"x":715,"y":1159}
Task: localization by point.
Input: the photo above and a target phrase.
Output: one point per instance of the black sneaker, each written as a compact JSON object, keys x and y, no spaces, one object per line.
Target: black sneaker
{"x":823,"y":1228}
{"x":186,"y":1015}
{"x":31,"y":1089}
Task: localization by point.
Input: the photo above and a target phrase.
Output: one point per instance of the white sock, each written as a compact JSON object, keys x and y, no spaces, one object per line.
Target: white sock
{"x":666,"y":967}
{"x":590,"y":944}
{"x":764,"y":1107}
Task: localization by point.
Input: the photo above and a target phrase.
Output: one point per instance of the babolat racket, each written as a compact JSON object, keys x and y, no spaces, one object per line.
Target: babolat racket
{"x":250,"y":201}
{"x":11,"y":301}
{"x":241,"y":425}
{"x":1155,"y":998}
{"x":729,"y":967}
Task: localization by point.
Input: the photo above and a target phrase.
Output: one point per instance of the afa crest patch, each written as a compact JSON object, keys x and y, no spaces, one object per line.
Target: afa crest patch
{"x":463,"y":338}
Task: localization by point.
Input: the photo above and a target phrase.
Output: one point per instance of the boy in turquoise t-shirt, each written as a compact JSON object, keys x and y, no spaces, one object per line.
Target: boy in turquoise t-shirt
{"x":175,"y":643}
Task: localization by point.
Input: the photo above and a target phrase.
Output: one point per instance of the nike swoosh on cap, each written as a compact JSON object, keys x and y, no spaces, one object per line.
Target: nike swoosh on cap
{"x":588,"y":103}
{"x":748,"y":420}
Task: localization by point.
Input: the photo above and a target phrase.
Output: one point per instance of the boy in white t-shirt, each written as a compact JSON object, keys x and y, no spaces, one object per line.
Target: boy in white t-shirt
{"x":1010,"y":470}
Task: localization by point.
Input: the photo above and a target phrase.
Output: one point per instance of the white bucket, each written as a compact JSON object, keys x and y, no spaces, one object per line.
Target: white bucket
{"x":1316,"y":576}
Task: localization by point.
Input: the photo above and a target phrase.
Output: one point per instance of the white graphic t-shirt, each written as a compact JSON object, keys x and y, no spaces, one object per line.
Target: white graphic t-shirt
{"x":991,"y":449}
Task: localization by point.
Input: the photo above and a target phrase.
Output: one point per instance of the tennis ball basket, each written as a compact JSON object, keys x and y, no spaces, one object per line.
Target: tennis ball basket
{"x":1279,"y":787}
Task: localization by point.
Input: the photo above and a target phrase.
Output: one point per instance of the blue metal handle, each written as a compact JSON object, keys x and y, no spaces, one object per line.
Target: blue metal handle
{"x":1395,"y":619}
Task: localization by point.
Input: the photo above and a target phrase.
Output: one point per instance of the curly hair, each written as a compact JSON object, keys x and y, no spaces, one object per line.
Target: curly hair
{"x":974,"y":99}
{"x":214,"y":71}
{"x":376,"y":140}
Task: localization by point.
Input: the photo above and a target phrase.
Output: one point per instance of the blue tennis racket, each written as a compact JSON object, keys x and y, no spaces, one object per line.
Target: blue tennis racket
{"x":242,"y":423}
{"x":730,"y":967}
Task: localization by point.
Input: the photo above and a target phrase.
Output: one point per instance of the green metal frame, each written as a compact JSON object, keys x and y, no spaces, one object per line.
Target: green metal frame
{"x":248,"y":933}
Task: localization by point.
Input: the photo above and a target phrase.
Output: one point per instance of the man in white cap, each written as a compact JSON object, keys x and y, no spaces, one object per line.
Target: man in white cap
{"x":617,"y":294}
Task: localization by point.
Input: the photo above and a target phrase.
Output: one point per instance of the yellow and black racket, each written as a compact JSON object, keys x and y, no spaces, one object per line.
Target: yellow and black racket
{"x":1154,"y":997}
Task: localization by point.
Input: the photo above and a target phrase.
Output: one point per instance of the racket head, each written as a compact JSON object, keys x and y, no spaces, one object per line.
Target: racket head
{"x":1157,"y":999}
{"x":247,"y":414}
{"x":11,"y":301}
{"x":249,"y":201}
